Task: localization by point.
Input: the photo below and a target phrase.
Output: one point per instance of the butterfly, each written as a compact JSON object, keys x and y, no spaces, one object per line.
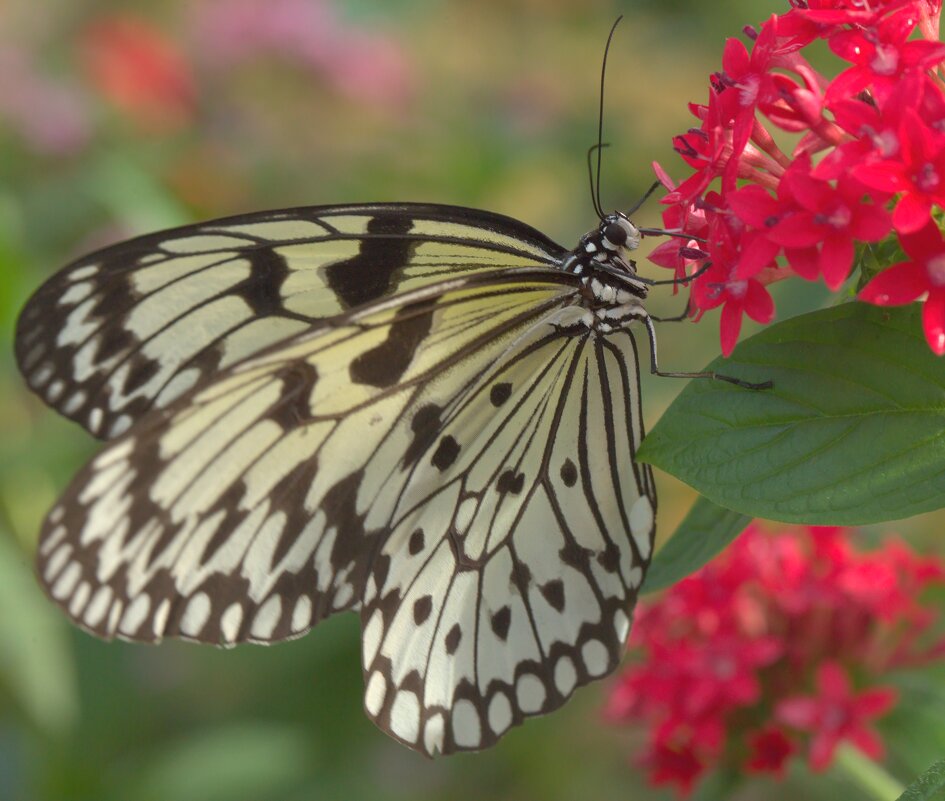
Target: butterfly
{"x":424,"y":414}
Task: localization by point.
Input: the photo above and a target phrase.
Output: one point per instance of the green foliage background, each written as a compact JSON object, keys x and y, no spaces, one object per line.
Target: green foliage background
{"x":503,"y":107}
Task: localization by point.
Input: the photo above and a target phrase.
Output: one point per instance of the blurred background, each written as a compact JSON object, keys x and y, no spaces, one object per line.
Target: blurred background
{"x":115,"y":123}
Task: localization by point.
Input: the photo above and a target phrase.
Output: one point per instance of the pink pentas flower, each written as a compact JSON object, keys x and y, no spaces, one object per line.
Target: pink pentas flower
{"x":749,"y":75}
{"x":868,"y":158}
{"x":770,"y":750}
{"x":720,"y":285}
{"x":916,"y":173}
{"x":836,"y":713}
{"x":881,"y":53}
{"x":906,"y":281}
{"x":677,"y":765}
{"x":777,"y":649}
{"x":815,"y":222}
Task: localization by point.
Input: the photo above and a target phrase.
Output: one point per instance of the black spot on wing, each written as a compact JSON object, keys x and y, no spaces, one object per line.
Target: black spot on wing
{"x":425,"y":424}
{"x":142,"y":371}
{"x":453,"y":637}
{"x":609,"y":558}
{"x":416,"y":542}
{"x":229,"y":503}
{"x":501,"y":621}
{"x":445,"y":454}
{"x":114,"y":340}
{"x":511,"y":482}
{"x":569,"y":474}
{"x":373,"y":273}
{"x":421,"y":609}
{"x":553,"y":591}
{"x":500,"y":393}
{"x":341,"y":512}
{"x":262,"y":288}
{"x":383,"y":365}
{"x":294,"y":405}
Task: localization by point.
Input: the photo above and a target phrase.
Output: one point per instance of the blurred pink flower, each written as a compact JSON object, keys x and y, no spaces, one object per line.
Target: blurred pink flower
{"x":364,"y":65}
{"x":50,"y":116}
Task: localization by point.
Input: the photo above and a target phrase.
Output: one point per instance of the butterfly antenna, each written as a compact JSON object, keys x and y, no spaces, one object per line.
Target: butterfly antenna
{"x":595,"y":191}
{"x":590,"y":174}
{"x":646,"y":196}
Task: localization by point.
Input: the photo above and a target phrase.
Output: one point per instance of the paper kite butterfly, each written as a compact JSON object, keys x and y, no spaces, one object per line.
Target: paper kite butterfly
{"x":424,"y":414}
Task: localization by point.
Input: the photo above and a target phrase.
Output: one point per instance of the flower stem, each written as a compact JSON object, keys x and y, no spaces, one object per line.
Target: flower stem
{"x":867,"y":774}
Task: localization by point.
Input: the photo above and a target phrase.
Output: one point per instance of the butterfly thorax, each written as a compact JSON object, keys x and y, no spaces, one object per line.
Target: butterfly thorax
{"x":609,"y":281}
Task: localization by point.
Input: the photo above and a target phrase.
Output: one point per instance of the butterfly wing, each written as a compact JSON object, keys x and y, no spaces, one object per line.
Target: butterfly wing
{"x":238,"y":485}
{"x":139,"y":324}
{"x":458,"y":468}
{"x":443,"y":446}
{"x":516,"y":550}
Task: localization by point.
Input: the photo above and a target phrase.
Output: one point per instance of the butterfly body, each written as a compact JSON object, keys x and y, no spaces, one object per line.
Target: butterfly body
{"x":424,"y":414}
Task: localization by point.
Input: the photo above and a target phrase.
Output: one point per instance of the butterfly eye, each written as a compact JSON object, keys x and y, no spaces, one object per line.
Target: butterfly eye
{"x":615,"y":233}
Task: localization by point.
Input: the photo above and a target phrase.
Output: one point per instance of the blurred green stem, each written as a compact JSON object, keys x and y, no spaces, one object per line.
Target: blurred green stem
{"x":867,"y":774}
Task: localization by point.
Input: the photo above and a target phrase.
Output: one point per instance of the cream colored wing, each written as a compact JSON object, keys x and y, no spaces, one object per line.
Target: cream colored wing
{"x":139,"y":324}
{"x":458,"y":467}
{"x":512,"y":565}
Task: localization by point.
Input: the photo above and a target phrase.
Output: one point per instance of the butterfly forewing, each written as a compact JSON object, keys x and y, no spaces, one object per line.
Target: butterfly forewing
{"x":409,"y":416}
{"x":141,"y":323}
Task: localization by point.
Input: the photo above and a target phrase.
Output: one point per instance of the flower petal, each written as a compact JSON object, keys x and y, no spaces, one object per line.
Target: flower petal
{"x":798,"y":231}
{"x":754,"y":205}
{"x":832,"y":681}
{"x":923,"y":243}
{"x":730,"y":324}
{"x":868,"y":742}
{"x":870,"y":223}
{"x":896,"y":285}
{"x":836,"y":256}
{"x":758,"y":251}
{"x":804,"y":261}
{"x":911,"y":212}
{"x":933,"y":321}
{"x":758,"y":303}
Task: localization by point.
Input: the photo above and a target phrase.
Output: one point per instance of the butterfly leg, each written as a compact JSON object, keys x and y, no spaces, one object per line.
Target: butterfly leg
{"x":676,"y":318}
{"x":655,"y":368}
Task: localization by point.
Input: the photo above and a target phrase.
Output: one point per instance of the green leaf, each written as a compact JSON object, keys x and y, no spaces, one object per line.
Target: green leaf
{"x":928,"y":785}
{"x":36,"y":662}
{"x":852,"y":432}
{"x":705,"y":533}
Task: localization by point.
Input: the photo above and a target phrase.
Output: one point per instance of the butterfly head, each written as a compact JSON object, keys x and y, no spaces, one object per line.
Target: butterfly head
{"x":618,"y":234}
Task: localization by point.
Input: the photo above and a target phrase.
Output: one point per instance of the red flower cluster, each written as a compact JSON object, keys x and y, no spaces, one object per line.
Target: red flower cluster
{"x":777,"y":646}
{"x":870,"y":138}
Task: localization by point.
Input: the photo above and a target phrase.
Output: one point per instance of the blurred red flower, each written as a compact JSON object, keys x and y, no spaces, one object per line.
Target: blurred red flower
{"x":777,"y":647}
{"x":140,"y":70}
{"x":836,"y":713}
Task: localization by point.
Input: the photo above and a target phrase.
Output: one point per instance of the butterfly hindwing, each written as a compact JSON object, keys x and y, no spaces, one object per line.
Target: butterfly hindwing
{"x":510,"y":579}
{"x":141,"y":323}
{"x":257,"y":486}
